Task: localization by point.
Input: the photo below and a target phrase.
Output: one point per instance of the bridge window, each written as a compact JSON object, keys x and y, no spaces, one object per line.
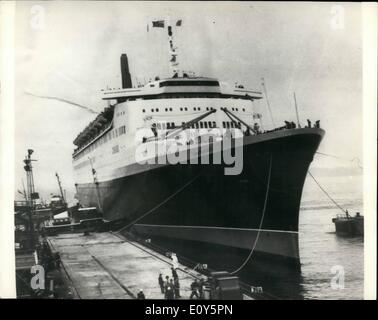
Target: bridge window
{"x":189,"y":83}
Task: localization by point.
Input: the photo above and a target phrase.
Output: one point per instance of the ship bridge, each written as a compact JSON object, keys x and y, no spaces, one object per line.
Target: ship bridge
{"x":183,"y":87}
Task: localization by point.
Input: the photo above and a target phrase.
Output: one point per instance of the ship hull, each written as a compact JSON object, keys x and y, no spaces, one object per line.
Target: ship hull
{"x":195,"y":209}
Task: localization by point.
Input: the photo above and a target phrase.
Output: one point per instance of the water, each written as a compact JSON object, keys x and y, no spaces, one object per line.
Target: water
{"x":320,"y":247}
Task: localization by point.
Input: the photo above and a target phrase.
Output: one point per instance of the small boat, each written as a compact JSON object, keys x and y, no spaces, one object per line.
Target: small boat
{"x":348,"y":225}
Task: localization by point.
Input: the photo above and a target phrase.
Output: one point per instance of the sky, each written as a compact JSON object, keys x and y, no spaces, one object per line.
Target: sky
{"x":71,"y":50}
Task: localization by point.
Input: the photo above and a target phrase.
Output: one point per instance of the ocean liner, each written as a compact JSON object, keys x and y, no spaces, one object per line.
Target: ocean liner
{"x":195,"y":207}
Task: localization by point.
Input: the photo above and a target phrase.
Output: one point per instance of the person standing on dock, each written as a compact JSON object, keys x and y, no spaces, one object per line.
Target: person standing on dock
{"x":200,"y":288}
{"x":57,"y":260}
{"x":169,"y":291}
{"x":141,"y":295}
{"x":194,"y":287}
{"x":177,"y":288}
{"x":161,"y":283}
{"x":166,"y":285}
{"x":174,"y":274}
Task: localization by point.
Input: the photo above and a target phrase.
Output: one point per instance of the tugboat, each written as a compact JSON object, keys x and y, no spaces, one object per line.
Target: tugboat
{"x":348,"y":225}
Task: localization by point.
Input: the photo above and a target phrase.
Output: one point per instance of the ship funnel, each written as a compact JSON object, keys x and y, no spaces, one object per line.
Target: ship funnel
{"x":126,"y":77}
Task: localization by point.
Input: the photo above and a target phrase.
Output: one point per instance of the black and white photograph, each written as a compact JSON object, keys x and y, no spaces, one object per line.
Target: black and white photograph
{"x":168,"y":150}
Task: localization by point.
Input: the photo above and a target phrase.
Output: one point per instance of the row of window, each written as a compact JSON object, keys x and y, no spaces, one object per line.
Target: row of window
{"x":105,"y":138}
{"x":210,"y":83}
{"x":231,"y":124}
{"x":186,"y":109}
{"x":199,"y":125}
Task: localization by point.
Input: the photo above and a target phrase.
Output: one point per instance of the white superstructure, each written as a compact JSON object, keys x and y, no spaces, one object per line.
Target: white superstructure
{"x":168,"y":102}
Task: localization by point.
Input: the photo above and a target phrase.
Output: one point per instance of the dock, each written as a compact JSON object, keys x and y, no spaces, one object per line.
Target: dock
{"x":108,"y":266}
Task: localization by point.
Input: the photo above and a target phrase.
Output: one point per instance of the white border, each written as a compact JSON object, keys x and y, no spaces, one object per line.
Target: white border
{"x":7,"y":55}
{"x":369,"y":59}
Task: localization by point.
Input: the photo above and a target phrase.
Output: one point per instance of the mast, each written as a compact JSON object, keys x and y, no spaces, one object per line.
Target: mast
{"x":31,"y":194}
{"x":172,"y":48}
{"x":296,"y":110}
{"x":173,"y":54}
{"x":267,"y":101}
{"x":60,"y":188}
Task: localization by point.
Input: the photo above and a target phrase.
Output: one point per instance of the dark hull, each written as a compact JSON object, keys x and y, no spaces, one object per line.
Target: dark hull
{"x":213,"y":210}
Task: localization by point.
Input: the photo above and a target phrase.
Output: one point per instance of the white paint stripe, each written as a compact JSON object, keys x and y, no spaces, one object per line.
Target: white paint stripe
{"x":220,"y":228}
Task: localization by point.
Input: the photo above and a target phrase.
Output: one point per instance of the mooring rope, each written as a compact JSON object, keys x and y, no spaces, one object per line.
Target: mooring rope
{"x":261,"y":221}
{"x":160,"y":204}
{"x":342,"y":158}
{"x":326,"y":193}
